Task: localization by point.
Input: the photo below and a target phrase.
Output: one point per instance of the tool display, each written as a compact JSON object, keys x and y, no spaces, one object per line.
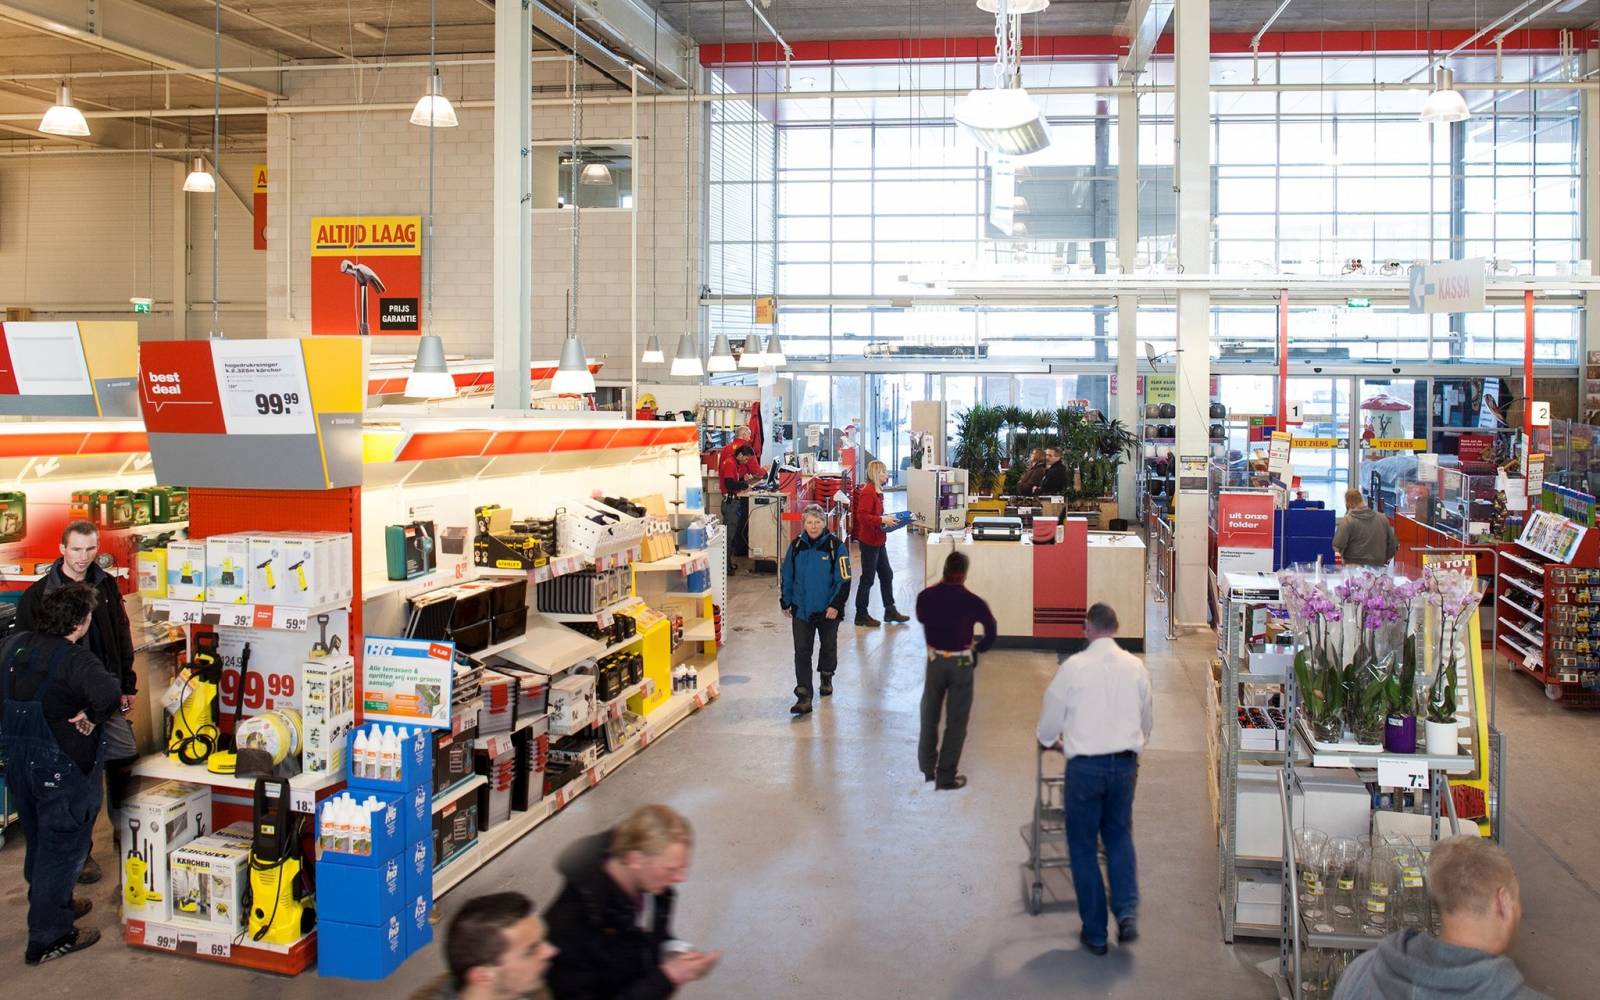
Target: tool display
{"x":195,"y":733}
{"x":280,"y":904}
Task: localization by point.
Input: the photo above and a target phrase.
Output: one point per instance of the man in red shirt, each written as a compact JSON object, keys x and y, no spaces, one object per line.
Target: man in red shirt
{"x":736,"y":476}
{"x":752,"y":465}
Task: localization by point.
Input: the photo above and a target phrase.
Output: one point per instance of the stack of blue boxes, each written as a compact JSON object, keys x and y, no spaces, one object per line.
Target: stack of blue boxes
{"x":374,"y":898}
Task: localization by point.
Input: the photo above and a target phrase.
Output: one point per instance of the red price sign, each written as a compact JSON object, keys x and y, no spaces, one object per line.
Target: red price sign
{"x":262,"y":692}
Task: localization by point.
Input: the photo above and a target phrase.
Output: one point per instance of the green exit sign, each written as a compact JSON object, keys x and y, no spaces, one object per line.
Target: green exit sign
{"x":142,"y":305}
{"x":1356,"y":302}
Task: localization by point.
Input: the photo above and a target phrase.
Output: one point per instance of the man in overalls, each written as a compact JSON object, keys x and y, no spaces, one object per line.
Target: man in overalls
{"x":55,"y":695}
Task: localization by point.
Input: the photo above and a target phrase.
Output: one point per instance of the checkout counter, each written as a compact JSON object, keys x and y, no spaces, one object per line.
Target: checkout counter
{"x":1042,"y":592}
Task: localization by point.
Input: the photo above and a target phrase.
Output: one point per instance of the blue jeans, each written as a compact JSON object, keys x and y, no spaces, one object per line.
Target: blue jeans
{"x":874,"y":566}
{"x":1099,"y":801}
{"x":56,"y":806}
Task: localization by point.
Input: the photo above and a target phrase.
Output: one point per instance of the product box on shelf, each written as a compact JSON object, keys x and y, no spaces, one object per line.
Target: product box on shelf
{"x":379,"y":838}
{"x":154,"y":823}
{"x":328,"y":710}
{"x":150,"y":572}
{"x":452,"y":755}
{"x":571,"y":704}
{"x":367,"y":769}
{"x":409,"y":550}
{"x":509,"y":550}
{"x":455,"y":828}
{"x":360,"y":894}
{"x":418,"y":809}
{"x":208,"y":882}
{"x":419,"y":929}
{"x":186,"y":570}
{"x":228,"y":569}
{"x":418,"y":863}
{"x":360,"y":951}
{"x":316,"y":569}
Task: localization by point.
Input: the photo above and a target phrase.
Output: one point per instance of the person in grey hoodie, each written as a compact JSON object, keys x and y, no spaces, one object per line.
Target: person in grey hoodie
{"x":1365,"y":537}
{"x":1475,"y":890}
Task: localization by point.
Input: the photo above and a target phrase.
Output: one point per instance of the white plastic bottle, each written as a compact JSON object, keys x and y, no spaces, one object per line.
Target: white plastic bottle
{"x":694,"y":678}
{"x":360,"y":756}
{"x":403,"y":746}
{"x":361,"y":830}
{"x":325,"y":824}
{"x":341,"y":824}
{"x":391,"y":755}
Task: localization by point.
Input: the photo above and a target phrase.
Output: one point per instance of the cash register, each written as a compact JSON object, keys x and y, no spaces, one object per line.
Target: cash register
{"x":996,"y":529}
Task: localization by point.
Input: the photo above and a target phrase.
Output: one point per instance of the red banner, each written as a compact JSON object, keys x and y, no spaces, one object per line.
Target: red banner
{"x":178,"y":388}
{"x":1244,"y":533}
{"x":366,"y":274}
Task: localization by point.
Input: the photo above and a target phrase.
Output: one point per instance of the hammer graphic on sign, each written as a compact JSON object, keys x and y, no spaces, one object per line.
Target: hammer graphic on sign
{"x":366,"y":278}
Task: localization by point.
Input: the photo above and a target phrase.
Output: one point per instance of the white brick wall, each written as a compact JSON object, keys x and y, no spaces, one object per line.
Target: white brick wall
{"x":376,"y":162}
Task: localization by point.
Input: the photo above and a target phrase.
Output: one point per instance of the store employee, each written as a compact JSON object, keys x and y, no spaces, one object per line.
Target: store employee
{"x":736,"y":481}
{"x":750,"y":466}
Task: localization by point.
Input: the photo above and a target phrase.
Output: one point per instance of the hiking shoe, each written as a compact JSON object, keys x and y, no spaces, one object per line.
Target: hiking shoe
{"x":867,"y":621}
{"x":79,"y":939}
{"x":827,"y":685}
{"x":895,"y":617}
{"x":91,"y":872}
{"x":801,"y":707}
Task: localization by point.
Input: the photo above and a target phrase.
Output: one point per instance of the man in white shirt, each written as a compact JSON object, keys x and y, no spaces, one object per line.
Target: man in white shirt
{"x":1098,"y":712}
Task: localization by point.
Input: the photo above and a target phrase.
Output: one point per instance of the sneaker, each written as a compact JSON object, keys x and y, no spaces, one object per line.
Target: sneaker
{"x":827,"y":685}
{"x":1127,"y":930}
{"x":81,"y":907}
{"x":895,"y":617}
{"x":1095,"y":949}
{"x":91,"y":872}
{"x":79,"y":939}
{"x":865,"y":620}
{"x":959,"y":781}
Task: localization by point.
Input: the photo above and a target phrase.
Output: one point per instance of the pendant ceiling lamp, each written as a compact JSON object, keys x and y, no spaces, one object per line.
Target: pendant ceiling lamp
{"x":573,"y":377}
{"x":199,"y":180}
{"x":64,"y":118}
{"x":1016,"y":6}
{"x":652,"y":352}
{"x":753,"y":355}
{"x":721,"y":356}
{"x":597,"y":174}
{"x":687,"y":362}
{"x":1445,"y":104}
{"x":430,"y":378}
{"x":433,"y":109}
{"x":1003,"y":119}
{"x":774,"y":356}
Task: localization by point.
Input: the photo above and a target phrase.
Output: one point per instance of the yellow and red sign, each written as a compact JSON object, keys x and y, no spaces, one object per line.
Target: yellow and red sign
{"x":258,"y":186}
{"x":366,"y":274}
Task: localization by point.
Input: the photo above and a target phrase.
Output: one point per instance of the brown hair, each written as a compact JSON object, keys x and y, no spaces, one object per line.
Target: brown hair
{"x":79,"y":527}
{"x":651,"y":830}
{"x":1464,"y":873}
{"x":1353,"y":498}
{"x":476,"y":935}
{"x":955,"y":566}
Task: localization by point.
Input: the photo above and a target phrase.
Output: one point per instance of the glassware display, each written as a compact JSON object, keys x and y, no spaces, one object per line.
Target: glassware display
{"x":1311,"y":856}
{"x":1377,"y":910}
{"x":1346,"y":864}
{"x":1413,"y":890}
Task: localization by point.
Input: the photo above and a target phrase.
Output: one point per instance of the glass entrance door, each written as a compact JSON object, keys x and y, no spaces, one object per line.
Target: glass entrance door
{"x":889,"y":436}
{"x":1394,"y":428}
{"x":1321,"y":455}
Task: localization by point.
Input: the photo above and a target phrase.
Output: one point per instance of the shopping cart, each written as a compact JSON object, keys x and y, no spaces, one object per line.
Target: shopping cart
{"x":1046,"y":836}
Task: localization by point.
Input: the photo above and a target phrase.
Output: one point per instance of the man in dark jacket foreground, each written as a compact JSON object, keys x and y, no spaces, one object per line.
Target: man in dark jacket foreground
{"x":496,"y":949}
{"x":613,"y":919}
{"x":1480,"y":904}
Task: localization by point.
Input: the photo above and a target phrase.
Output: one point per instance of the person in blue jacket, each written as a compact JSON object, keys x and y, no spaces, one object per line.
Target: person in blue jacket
{"x":816,"y":584}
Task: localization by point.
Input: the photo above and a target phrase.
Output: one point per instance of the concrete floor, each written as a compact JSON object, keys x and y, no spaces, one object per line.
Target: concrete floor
{"x":824,"y":866}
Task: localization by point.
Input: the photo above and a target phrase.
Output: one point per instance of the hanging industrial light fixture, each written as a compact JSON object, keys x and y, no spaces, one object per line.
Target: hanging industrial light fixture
{"x":64,"y":118}
{"x":433,"y":109}
{"x":1017,"y":6}
{"x":752,"y":355}
{"x":573,"y":377}
{"x":430,"y":377}
{"x":199,"y":180}
{"x":597,"y":174}
{"x":572,"y":374}
{"x":1004,"y":119}
{"x":775,"y":357}
{"x":687,"y":363}
{"x":652,"y":352}
{"x":1445,"y":104}
{"x":721,"y":355}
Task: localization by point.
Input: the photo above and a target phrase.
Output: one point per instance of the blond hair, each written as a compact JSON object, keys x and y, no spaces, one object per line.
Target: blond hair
{"x":651,"y":830}
{"x":1353,"y":498}
{"x":1465,"y":873}
{"x":873,"y":468}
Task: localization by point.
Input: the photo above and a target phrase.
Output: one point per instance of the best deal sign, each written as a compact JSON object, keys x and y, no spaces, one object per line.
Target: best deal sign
{"x":1244,"y":533}
{"x":366,"y":274}
{"x":254,"y":414}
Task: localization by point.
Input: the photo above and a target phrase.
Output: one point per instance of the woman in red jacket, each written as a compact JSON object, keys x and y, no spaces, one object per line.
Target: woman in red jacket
{"x":867,"y":522}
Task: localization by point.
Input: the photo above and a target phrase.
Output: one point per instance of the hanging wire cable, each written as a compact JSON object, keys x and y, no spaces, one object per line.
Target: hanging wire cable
{"x":755,"y":115}
{"x":433,"y":69}
{"x":216,"y":161}
{"x":572,"y":175}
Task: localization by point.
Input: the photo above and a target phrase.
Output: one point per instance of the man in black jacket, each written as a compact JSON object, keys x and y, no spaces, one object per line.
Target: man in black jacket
{"x":1054,"y":483}
{"x":109,"y":638}
{"x":53,"y":697}
{"x":613,"y":919}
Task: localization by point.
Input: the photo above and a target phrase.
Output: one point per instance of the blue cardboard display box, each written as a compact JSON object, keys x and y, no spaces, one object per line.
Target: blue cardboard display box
{"x":416,"y":761}
{"x":388,"y":838}
{"x":361,"y":894}
{"x":359,"y":951}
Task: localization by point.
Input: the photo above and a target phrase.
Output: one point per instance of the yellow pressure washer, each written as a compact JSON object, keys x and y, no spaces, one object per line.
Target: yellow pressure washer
{"x":280,"y":905}
{"x":195,"y":733}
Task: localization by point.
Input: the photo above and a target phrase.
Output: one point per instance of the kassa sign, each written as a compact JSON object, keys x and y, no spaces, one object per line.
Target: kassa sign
{"x":366,"y":274}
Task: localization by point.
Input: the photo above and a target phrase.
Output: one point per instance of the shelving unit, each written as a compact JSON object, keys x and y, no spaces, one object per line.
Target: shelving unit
{"x":1233,"y":649}
{"x":1549,"y":618}
{"x":937,"y":498}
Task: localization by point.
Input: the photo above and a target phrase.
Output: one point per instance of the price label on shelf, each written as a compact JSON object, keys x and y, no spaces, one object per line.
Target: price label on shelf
{"x":700,"y":699}
{"x":594,"y":776}
{"x":185,"y":612}
{"x":1406,"y":774}
{"x":290,"y":619}
{"x":210,"y":944}
{"x":644,"y":738}
{"x":233,"y":615}
{"x":614,"y":710}
{"x":303,"y":800}
{"x":541,"y":574}
{"x":561,"y":798}
{"x":161,"y":936}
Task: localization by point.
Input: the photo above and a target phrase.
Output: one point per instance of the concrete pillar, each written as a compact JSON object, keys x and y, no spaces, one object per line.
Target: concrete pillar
{"x":513,"y":207}
{"x":1193,"y":161}
{"x":1128,"y":305}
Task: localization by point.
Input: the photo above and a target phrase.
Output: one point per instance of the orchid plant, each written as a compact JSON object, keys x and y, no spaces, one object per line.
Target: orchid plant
{"x":1382,"y":607}
{"x":1318,"y":622}
{"x":1454,"y":596}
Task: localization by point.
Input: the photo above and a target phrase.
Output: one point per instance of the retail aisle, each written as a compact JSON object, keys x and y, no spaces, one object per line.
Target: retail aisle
{"x":825,"y":867}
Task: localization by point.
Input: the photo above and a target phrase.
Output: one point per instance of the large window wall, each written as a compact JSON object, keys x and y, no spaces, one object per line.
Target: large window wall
{"x":875,"y":198}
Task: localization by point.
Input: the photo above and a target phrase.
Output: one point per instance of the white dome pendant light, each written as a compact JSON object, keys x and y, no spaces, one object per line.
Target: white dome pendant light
{"x":1445,"y":104}
{"x":64,"y":118}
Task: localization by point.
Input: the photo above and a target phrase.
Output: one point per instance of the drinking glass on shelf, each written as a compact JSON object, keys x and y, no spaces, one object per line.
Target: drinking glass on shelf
{"x":1345,"y":863}
{"x":1412,"y":890}
{"x":1311,"y":858}
{"x":1377,"y":916}
{"x":1314,"y":980}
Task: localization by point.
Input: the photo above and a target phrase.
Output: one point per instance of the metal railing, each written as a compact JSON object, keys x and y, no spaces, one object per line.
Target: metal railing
{"x":1163,"y":552}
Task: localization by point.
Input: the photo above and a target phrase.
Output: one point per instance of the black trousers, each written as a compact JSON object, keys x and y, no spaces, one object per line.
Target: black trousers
{"x":806,"y":633}
{"x":946,"y":690}
{"x":736,"y":515}
{"x":874,"y":563}
{"x":56,"y":807}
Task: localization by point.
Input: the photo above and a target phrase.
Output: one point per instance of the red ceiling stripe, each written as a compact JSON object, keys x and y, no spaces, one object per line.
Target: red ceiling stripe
{"x":893,"y":49}
{"x":444,"y":444}
{"x":523,"y":442}
{"x":633,"y":437}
